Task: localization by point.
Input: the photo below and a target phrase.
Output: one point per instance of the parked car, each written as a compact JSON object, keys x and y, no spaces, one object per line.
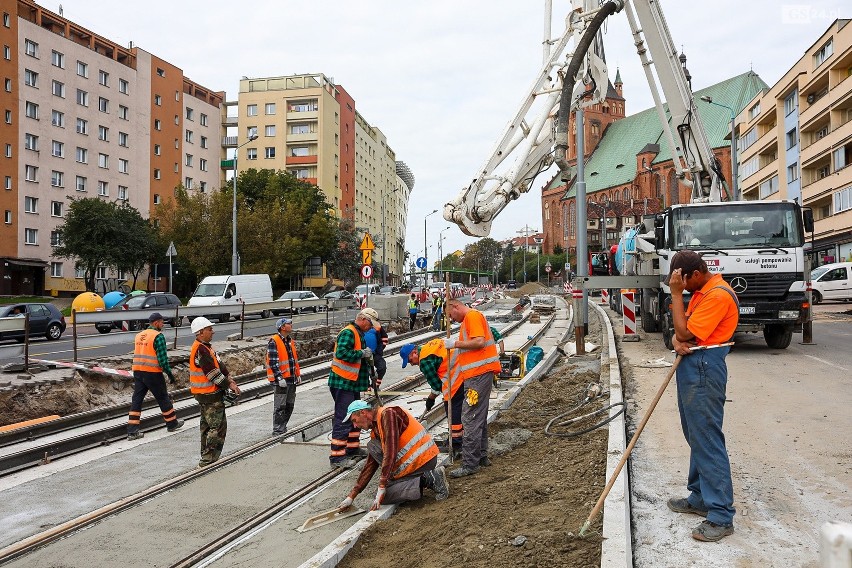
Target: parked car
{"x":363,"y":288}
{"x":832,"y":282}
{"x":153,"y":301}
{"x":298,"y":295}
{"x":388,"y":290}
{"x":45,"y":319}
{"x":512,"y":285}
{"x":339,"y":295}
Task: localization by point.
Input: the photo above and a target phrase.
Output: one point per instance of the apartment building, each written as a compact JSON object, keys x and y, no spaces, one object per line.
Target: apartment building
{"x":795,"y":141}
{"x":308,"y":126}
{"x":86,"y":117}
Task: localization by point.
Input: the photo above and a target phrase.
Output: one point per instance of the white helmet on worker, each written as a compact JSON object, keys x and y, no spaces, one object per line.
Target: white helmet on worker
{"x":200,"y":323}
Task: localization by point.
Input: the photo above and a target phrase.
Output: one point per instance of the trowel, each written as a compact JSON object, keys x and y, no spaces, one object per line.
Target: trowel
{"x":328,"y":517}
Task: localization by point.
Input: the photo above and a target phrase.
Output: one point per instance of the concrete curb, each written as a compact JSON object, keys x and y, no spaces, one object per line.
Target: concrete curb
{"x":616,"y":548}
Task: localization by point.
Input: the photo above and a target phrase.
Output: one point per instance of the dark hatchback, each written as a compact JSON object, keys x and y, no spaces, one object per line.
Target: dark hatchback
{"x":45,"y":319}
{"x":153,"y":301}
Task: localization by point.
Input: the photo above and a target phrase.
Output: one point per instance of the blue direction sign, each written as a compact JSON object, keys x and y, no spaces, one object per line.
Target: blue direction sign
{"x":421,"y":262}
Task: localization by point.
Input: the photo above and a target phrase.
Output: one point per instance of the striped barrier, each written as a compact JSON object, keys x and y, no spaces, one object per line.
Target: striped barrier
{"x":81,"y":367}
{"x":604,"y":296}
{"x":628,"y":308}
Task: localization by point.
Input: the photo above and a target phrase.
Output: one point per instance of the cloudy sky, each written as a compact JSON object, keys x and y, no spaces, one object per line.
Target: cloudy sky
{"x":442,"y":78}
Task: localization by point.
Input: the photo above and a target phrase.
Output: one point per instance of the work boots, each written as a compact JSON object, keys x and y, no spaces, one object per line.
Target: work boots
{"x":436,"y":480}
{"x":176,"y":425}
{"x":136,"y":435}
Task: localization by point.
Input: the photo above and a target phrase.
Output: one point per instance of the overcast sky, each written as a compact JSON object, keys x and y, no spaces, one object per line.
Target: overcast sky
{"x":442,"y":78}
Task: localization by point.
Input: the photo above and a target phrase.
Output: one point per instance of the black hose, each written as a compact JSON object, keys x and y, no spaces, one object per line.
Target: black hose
{"x":549,"y":428}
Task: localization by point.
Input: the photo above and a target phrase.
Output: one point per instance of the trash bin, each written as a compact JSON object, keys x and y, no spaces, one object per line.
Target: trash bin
{"x":534,"y":355}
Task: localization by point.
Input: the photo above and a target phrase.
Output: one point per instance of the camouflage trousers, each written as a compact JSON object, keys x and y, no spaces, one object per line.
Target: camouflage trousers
{"x":214,"y":427}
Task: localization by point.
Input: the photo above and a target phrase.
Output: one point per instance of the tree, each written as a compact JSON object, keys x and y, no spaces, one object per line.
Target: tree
{"x":138,"y":242}
{"x":558,"y":249}
{"x":345,"y":258}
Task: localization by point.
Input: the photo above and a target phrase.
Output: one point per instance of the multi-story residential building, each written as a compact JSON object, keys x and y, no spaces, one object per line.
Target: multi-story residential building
{"x":308,"y":126}
{"x":86,"y":117}
{"x":795,"y":141}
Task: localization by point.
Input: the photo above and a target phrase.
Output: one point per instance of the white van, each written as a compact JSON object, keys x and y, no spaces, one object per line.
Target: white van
{"x":832,"y":282}
{"x":231,"y":290}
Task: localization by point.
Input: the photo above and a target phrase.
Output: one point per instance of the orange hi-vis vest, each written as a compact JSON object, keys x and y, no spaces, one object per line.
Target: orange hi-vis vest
{"x":468,"y":363}
{"x":345,"y":369}
{"x":436,"y":347}
{"x":415,"y":446}
{"x":283,"y":360}
{"x":144,"y":355}
{"x":198,"y":381}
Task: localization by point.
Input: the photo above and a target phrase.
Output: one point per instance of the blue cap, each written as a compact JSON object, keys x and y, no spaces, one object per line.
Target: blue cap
{"x":355,"y":406}
{"x":405,"y":351}
{"x":282,"y":322}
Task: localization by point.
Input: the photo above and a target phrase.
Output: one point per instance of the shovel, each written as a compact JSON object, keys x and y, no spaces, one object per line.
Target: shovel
{"x":328,"y":517}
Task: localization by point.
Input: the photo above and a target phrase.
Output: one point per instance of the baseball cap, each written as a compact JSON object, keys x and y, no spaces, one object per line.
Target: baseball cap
{"x":371,"y":315}
{"x":404,"y":352}
{"x":281,"y":322}
{"x":154,"y":317}
{"x":355,"y":406}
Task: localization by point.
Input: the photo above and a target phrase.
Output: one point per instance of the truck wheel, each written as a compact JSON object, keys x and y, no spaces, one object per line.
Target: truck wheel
{"x":265,"y":314}
{"x":649,"y":322}
{"x":777,"y":336}
{"x":224,"y":318}
{"x":668,"y":332}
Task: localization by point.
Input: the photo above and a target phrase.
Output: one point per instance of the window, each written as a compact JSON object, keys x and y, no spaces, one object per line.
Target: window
{"x":187,"y":183}
{"x":251,"y":110}
{"x":56,"y":208}
{"x":251,"y":153}
{"x":202,"y":164}
{"x":57,"y":179}
{"x":103,"y":104}
{"x":177,"y":119}
{"x":103,"y":78}
{"x":189,"y":136}
{"x":299,"y":151}
{"x":823,"y":172}
{"x":58,"y":149}
{"x":31,"y":236}
{"x":204,"y":142}
{"x":123,"y":166}
{"x":81,"y":183}
{"x":158,"y":100}
{"x":161,"y":72}
{"x":8,"y":217}
{"x":792,"y":172}
{"x":270,"y":108}
{"x":123,"y":87}
{"x":189,"y":160}
{"x":30,"y":173}
{"x":824,"y":53}
{"x":8,"y":182}
{"x":31,"y":204}
{"x":31,"y":48}
{"x":791,"y":138}
{"x":30,"y":78}
{"x":269,"y":130}
{"x":843,"y":200}
{"x":103,"y":161}
{"x":156,"y":199}
{"x":790,"y":103}
{"x":156,"y":174}
{"x":8,"y":150}
{"x":79,"y":272}
{"x":841,"y":158}
{"x":31,"y":110}
{"x":82,"y":126}
{"x":55,"y":238}
{"x":156,"y":149}
{"x":202,"y":119}
{"x":57,"y":59}
{"x":82,"y":98}
{"x":56,"y":269}
{"x":769,"y":187}
{"x":7,"y":19}
{"x":157,"y":125}
{"x":301,"y":173}
{"x":103,"y":188}
{"x":7,"y":52}
{"x":754,"y":111}
{"x":300,"y":129}
{"x":8,"y":117}
{"x":304,"y":106}
{"x":58,"y":88}
{"x":82,"y":69}
{"x":122,"y":192}
{"x":57,"y":119}
{"x":31,"y":142}
{"x":748,"y":139}
{"x":101,"y":273}
{"x":202,"y":186}
{"x":103,"y":133}
{"x":8,"y":85}
{"x":270,"y":152}
{"x":123,"y":112}
{"x":122,"y":138}
{"x":190,"y":114}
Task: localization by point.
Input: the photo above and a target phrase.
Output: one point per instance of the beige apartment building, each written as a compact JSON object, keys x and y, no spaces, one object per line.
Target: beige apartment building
{"x":86,"y":117}
{"x":308,"y":126}
{"x":795,"y":142}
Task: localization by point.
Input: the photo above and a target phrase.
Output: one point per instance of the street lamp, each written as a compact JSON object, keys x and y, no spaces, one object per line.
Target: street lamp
{"x":235,"y":259}
{"x":425,"y":249}
{"x":734,"y":164}
{"x":441,"y":250}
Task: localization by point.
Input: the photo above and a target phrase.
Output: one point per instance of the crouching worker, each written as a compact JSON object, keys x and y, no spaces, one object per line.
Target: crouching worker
{"x":404,"y":451}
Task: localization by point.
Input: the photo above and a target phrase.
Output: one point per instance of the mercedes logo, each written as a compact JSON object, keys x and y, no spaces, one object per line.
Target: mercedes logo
{"x":739,"y":284}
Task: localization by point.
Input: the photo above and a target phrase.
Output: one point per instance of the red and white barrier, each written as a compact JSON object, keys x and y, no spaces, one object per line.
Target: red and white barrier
{"x":82,"y":367}
{"x":628,"y":308}
{"x":604,"y":296}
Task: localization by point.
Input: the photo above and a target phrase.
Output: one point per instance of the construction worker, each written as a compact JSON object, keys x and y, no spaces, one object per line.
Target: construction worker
{"x":150,"y":362}
{"x":413,"y":308}
{"x":433,"y":360}
{"x":376,"y":339}
{"x":473,"y":360}
{"x":437,"y":312}
{"x":282,"y":370}
{"x":209,"y":380}
{"x":404,"y":451}
{"x":349,"y":377}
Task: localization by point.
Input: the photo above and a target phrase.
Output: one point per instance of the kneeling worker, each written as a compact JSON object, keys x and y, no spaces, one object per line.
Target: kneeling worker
{"x":404,"y":450}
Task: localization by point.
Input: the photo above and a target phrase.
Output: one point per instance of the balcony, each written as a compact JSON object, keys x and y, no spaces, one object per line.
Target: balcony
{"x":820,"y":187}
{"x":229,"y":141}
{"x":309,"y":137}
{"x":815,"y":110}
{"x":230,"y":121}
{"x":303,"y":116}
{"x":296,"y":160}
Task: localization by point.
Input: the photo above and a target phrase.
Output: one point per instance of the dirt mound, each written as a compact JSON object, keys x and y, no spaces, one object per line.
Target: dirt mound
{"x":527,"y":289}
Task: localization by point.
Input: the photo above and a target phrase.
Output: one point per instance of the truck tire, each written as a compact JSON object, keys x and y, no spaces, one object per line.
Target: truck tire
{"x":668,"y":331}
{"x":777,"y":336}
{"x":224,"y":318}
{"x":649,"y":320}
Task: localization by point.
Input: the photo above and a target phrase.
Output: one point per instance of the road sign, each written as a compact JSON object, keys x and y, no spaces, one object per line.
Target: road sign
{"x":367,"y":243}
{"x":367,"y":271}
{"x":366,"y":256}
{"x":421,"y":262}
{"x":172,"y":250}
{"x":547,"y":267}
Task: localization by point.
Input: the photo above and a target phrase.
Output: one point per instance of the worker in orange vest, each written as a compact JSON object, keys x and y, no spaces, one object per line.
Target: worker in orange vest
{"x":404,"y":451}
{"x":150,"y":362}
{"x":282,"y":370}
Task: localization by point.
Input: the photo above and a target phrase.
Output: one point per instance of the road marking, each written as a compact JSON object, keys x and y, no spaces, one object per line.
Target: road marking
{"x":824,"y":362}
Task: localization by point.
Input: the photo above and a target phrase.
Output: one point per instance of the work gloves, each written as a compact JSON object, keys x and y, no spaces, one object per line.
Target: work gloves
{"x":345,"y":504}
{"x":366,"y":353}
{"x":430,"y":403}
{"x":449,"y":343}
{"x":380,"y":496}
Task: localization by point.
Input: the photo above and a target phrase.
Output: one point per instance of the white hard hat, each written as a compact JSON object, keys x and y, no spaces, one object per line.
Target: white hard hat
{"x":200,"y":323}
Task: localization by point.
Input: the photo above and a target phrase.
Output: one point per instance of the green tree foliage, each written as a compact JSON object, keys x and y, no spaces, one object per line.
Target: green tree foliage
{"x":345,"y":259}
{"x":137,"y":246}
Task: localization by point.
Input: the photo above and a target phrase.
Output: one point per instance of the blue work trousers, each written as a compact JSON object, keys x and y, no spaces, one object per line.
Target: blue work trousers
{"x":701,"y":380}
